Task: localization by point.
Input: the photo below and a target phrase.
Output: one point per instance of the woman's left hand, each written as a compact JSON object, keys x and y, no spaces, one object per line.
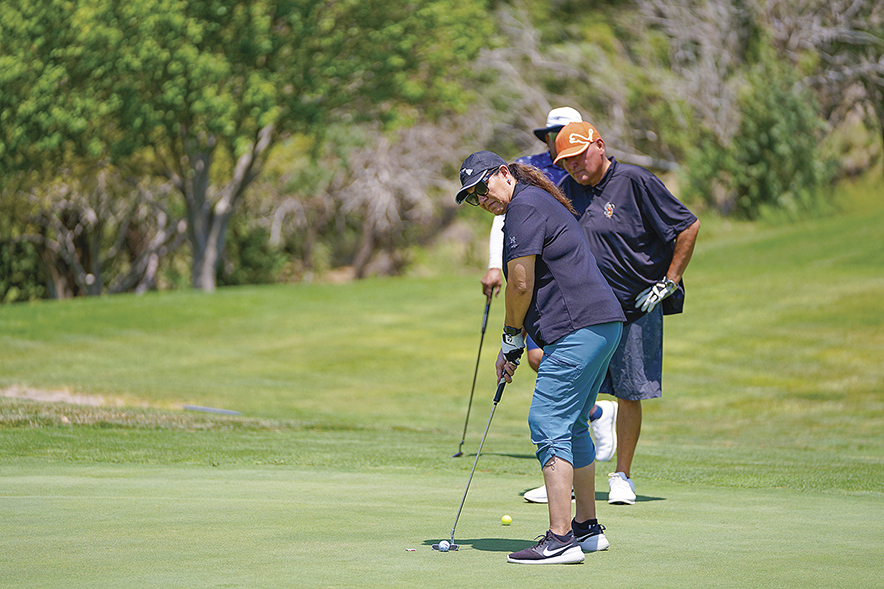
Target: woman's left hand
{"x":505,"y":368}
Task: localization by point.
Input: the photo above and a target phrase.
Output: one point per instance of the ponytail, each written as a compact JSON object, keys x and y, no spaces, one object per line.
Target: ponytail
{"x":535,"y":177}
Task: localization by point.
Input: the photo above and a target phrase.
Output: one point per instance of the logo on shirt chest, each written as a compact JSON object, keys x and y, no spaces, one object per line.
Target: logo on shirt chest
{"x":609,"y":210}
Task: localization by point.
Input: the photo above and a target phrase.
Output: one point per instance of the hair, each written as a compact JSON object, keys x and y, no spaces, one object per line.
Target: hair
{"x":535,"y":177}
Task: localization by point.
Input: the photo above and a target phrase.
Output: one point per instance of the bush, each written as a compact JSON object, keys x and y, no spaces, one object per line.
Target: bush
{"x":248,"y":257}
{"x":22,"y":274}
{"x":774,"y":161}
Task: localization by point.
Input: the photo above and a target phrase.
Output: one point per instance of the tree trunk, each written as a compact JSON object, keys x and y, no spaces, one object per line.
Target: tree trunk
{"x":206,"y":222}
{"x":205,"y":265}
{"x":366,"y":248}
{"x":205,"y":260}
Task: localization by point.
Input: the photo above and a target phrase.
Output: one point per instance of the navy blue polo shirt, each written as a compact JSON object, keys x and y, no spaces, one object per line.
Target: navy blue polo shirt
{"x":631,"y":221}
{"x":546,"y":165}
{"x":570,"y":292}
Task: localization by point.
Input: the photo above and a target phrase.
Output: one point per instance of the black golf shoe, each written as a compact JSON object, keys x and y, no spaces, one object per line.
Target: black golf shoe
{"x":591,"y":538}
{"x":550,"y":550}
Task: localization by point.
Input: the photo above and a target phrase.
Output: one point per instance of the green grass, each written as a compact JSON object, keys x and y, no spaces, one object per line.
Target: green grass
{"x":164,"y":526}
{"x":762,"y":465}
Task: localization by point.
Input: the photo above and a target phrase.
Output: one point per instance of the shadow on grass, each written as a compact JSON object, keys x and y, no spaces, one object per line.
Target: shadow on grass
{"x":505,"y":545}
{"x":643,"y":498}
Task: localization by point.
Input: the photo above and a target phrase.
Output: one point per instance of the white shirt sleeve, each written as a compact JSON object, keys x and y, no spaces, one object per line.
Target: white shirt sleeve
{"x":495,"y":243}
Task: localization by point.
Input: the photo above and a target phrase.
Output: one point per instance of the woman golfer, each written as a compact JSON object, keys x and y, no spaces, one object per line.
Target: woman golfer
{"x":555,"y":292}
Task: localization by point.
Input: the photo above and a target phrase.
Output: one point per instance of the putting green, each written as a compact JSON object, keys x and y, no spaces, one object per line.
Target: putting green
{"x":134,"y":526}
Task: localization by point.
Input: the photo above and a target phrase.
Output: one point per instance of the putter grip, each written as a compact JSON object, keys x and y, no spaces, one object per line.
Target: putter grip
{"x":500,"y":384}
{"x":499,"y":392}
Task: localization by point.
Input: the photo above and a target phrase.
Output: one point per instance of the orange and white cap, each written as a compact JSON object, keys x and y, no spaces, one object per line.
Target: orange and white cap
{"x":574,"y":138}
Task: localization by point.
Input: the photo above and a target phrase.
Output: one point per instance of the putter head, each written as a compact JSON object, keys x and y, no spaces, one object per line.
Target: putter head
{"x":459,"y":452}
{"x":450,"y":547}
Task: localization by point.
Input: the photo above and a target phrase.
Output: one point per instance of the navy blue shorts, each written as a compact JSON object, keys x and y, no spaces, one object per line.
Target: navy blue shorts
{"x":636,"y":368}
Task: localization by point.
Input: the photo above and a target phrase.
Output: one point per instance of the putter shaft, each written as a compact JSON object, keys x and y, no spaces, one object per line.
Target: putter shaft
{"x":497,"y":396}
{"x":459,"y":452}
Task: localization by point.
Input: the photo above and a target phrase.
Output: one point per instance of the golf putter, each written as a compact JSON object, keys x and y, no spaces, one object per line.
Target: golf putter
{"x":500,"y":385}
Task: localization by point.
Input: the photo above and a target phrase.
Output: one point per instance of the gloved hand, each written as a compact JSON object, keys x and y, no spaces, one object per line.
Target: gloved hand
{"x":513,"y":344}
{"x":651,"y":297}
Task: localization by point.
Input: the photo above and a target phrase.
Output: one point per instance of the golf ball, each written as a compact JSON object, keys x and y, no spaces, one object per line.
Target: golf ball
{"x":444,"y":546}
{"x":506,"y":520}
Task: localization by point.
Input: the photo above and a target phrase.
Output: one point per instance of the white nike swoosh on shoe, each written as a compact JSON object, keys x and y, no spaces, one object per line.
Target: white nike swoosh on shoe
{"x":547,"y":552}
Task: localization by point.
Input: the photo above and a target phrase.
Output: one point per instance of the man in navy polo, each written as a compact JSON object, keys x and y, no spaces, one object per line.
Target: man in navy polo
{"x":642,"y":238}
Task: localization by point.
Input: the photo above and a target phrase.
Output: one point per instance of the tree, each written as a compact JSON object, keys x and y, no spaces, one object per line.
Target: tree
{"x":708,"y":40}
{"x":212,"y":86}
{"x":94,"y":227}
{"x":92,"y":235}
{"x":847,"y":38}
{"x":47,"y":120}
{"x":209,"y":87}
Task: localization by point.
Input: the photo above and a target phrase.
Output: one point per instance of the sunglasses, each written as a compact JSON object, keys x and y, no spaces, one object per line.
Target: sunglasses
{"x":481,"y":189}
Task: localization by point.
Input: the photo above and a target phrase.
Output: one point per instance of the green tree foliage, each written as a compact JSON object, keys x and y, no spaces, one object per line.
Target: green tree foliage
{"x":21,"y":272}
{"x":43,"y":118}
{"x":214,"y":85}
{"x":776,"y":153}
{"x":199,"y":95}
{"x":839,"y":45}
{"x":209,"y":87}
{"x":249,"y":258}
{"x":774,"y":159}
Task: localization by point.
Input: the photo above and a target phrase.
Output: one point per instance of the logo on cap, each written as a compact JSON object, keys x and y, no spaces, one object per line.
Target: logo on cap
{"x":577,"y":138}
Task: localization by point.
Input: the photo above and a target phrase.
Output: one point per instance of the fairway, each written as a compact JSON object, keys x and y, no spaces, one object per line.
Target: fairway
{"x":761,"y":466}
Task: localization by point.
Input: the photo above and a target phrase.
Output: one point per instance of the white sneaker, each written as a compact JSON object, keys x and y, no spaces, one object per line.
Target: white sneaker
{"x":622,"y":489}
{"x":538,"y":495}
{"x":604,"y":431}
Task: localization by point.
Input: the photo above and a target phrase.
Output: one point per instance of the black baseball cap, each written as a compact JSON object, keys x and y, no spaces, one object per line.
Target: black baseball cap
{"x":474,"y":168}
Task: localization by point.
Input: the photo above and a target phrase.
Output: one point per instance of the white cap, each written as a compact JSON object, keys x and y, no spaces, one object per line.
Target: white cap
{"x":556,"y":119}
